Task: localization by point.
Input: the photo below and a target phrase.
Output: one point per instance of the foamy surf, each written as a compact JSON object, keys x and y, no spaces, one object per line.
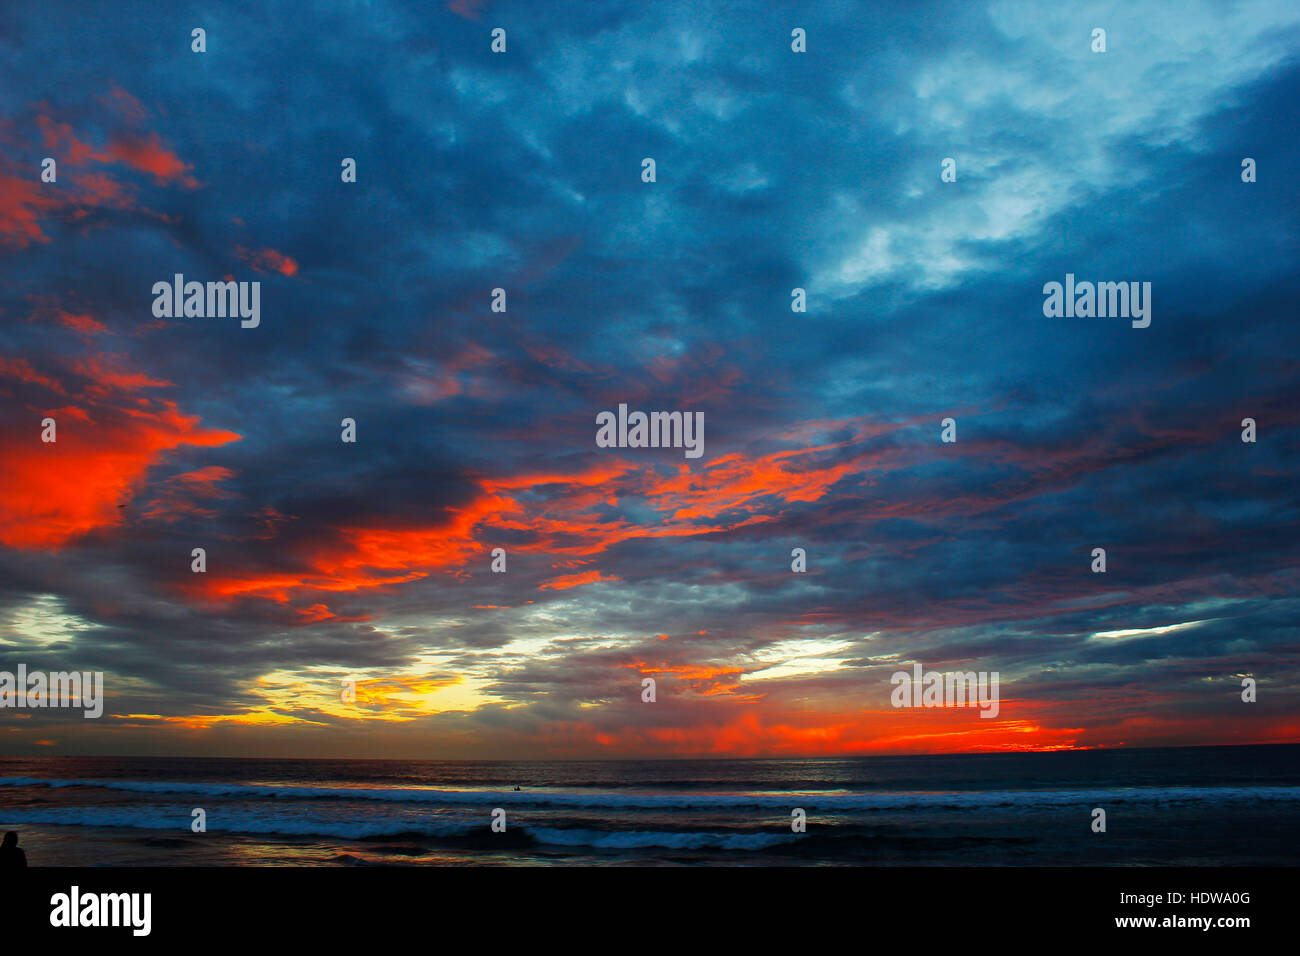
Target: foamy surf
{"x":826,"y":800}
{"x":286,"y":824}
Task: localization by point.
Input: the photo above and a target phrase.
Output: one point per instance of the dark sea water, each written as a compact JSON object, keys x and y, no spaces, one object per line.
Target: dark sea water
{"x":1185,"y":806}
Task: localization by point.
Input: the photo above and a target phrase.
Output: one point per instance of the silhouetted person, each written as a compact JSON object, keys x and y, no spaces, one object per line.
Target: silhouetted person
{"x":10,"y":856}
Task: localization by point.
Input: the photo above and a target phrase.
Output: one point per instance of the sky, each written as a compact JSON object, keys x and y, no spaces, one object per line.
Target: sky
{"x":475,"y":429}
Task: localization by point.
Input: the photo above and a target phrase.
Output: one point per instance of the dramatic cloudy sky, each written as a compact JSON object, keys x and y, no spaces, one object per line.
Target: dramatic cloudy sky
{"x":476,"y":429}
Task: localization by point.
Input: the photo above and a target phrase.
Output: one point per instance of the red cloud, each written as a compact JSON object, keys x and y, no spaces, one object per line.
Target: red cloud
{"x":268,"y":260}
{"x":144,"y":153}
{"x":574,"y":580}
{"x":179,"y":491}
{"x":319,"y":613}
{"x":148,"y":154}
{"x":53,"y":493}
{"x":25,"y":201}
{"x":556,"y":513}
{"x":126,"y":105}
{"x":80,"y":322}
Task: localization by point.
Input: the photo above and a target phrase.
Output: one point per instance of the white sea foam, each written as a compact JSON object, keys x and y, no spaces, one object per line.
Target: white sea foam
{"x":651,"y":800}
{"x":370,"y":827}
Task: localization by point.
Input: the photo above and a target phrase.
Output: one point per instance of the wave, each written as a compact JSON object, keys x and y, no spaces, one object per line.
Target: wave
{"x":631,"y":839}
{"x":170,"y":819}
{"x":822,"y":801}
{"x":165,"y":819}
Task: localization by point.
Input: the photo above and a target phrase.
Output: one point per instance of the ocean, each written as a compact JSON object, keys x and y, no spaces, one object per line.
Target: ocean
{"x":1232,"y":806}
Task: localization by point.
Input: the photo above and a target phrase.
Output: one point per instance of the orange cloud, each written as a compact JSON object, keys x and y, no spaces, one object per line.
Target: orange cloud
{"x":558,"y":513}
{"x":22,"y":370}
{"x":390,"y":691}
{"x":268,"y":260}
{"x":319,"y":613}
{"x":754,"y":732}
{"x":575,"y":580}
{"x":367,"y":557}
{"x":707,"y":680}
{"x":175,"y":500}
{"x":106,"y":376}
{"x":25,"y":201}
{"x":52,"y":493}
